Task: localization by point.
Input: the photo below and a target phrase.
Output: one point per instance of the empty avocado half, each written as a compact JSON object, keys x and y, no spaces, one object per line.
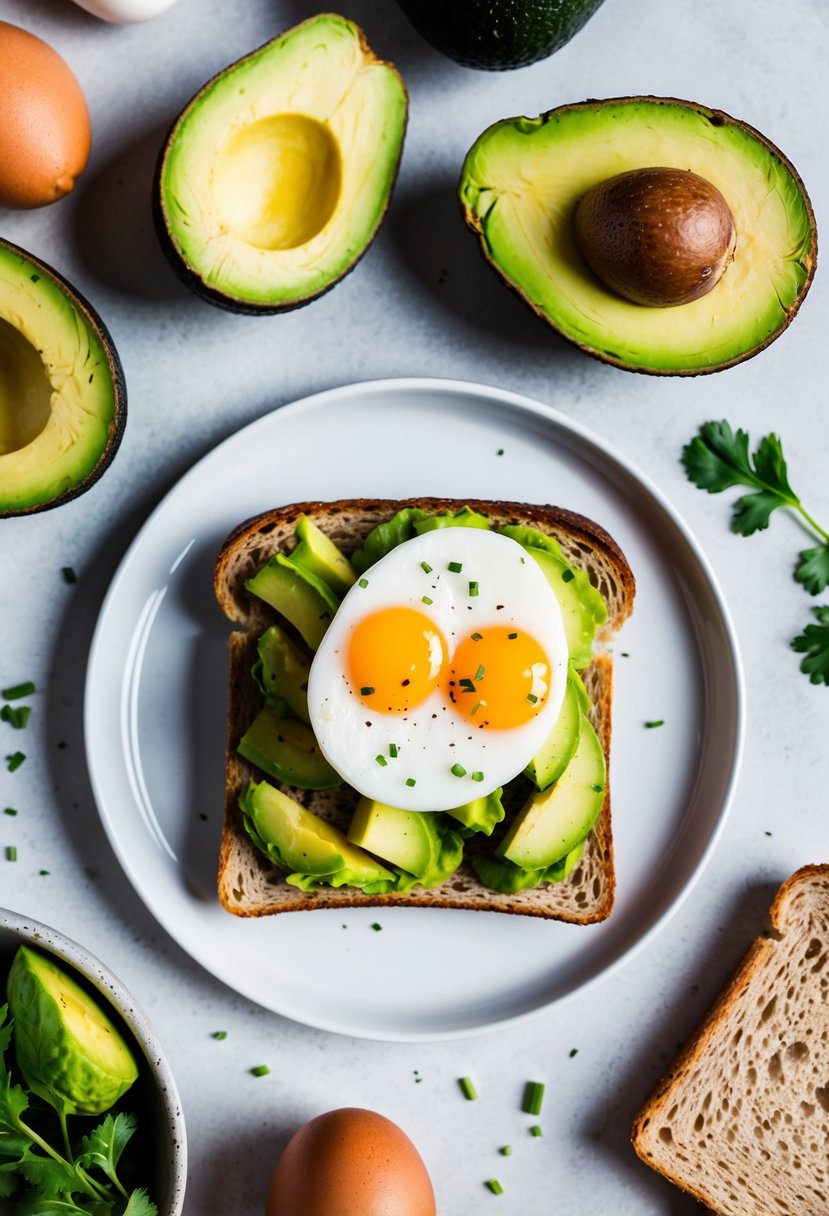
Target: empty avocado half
{"x":276,"y":176}
{"x":690,"y":267}
{"x":63,"y":402}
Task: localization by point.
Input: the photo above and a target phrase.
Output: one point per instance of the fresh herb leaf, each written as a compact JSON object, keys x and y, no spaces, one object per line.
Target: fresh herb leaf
{"x":813,"y":569}
{"x":103,"y":1147}
{"x":813,"y":642}
{"x":19,"y":690}
{"x":139,"y":1204}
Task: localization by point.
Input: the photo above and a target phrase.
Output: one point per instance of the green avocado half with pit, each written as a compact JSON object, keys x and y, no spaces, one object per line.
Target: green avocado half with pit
{"x":63,"y":401}
{"x":524,"y":178}
{"x":276,"y":176}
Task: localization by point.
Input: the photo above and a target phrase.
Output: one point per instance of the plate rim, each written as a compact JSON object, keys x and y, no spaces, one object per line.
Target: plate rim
{"x":555,"y":418}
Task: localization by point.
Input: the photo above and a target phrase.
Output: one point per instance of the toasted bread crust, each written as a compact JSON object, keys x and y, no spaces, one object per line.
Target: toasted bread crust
{"x":712,"y":1053}
{"x":249,"y":885}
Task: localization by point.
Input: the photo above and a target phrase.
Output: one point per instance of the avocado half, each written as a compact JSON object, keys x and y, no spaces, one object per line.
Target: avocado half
{"x":521,"y":182}
{"x":63,"y":401}
{"x":276,"y":176}
{"x":497,"y":37}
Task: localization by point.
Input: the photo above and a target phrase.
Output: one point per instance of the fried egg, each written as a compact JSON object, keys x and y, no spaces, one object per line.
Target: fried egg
{"x":442,"y":673}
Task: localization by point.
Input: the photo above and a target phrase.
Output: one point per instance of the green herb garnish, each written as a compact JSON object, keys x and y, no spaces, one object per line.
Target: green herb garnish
{"x":9,"y":810}
{"x":261,"y":1070}
{"x":479,"y":674}
{"x":574,"y":1051}
{"x":367,"y":691}
{"x":393,"y":750}
{"x":467,"y":685}
{"x":11,"y":853}
{"x":567,"y":576}
{"x":377,"y":928}
{"x":69,"y":575}
{"x":511,"y":637}
{"x":505,"y":1150}
{"x":363,"y":583}
{"x":477,"y":775}
{"x":473,"y":587}
{"x":457,"y":770}
{"x":533,"y":1097}
{"x":16,"y":716}
{"x":426,"y":599}
{"x":456,"y":567}
{"x":381,"y":760}
{"x":814,"y":643}
{"x":477,"y":637}
{"x":14,"y":761}
{"x":535,"y":1130}
{"x":656,"y":722}
{"x":19,"y":690}
{"x":532,"y":698}
{"x":426,"y":568}
{"x":219,"y":1034}
{"x":492,"y":1184}
{"x":410,"y":781}
{"x":468,"y":1089}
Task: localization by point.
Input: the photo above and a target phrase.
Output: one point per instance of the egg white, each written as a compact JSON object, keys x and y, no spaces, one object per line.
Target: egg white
{"x":432,"y":737}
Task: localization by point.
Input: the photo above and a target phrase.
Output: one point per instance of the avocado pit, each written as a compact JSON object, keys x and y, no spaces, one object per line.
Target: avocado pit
{"x":657,"y":236}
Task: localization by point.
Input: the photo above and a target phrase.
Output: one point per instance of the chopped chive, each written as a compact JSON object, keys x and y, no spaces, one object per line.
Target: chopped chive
{"x":492,"y":1184}
{"x":574,"y":1051}
{"x":16,"y":716}
{"x":505,"y":1150}
{"x":381,"y":760}
{"x":393,"y":750}
{"x":261,"y":1070}
{"x":426,"y":568}
{"x":467,"y":685}
{"x":477,"y":775}
{"x":367,"y":691}
{"x":376,"y":927}
{"x":426,"y":599}
{"x":479,"y":674}
{"x":410,"y":781}
{"x":532,"y":698}
{"x":43,"y":872}
{"x":500,"y":452}
{"x":457,"y":770}
{"x":625,"y":654}
{"x":69,"y":575}
{"x":533,"y":1097}
{"x":511,"y":637}
{"x":9,"y":810}
{"x":657,"y":722}
{"x":535,"y":1130}
{"x":219,"y":1034}
{"x":363,"y":582}
{"x":474,"y":709}
{"x":11,"y":853}
{"x":567,"y":576}
{"x":467,"y":1089}
{"x":456,"y":567}
{"x":477,"y":637}
{"x":19,"y":690}
{"x":596,"y":787}
{"x":473,"y":587}
{"x":14,"y":761}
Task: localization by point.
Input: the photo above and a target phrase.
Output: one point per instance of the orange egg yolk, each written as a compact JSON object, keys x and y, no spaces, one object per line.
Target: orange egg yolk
{"x":499,"y":678}
{"x":395,"y":659}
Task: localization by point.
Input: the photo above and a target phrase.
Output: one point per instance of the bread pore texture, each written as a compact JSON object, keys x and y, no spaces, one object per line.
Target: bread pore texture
{"x":249,"y":884}
{"x":741,"y":1120}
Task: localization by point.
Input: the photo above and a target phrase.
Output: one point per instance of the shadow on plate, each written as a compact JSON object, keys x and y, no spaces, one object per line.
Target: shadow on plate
{"x":608,"y":1127}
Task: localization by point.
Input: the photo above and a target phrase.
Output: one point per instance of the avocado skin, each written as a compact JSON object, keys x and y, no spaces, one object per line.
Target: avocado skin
{"x":189,"y":277}
{"x":119,"y":387}
{"x":717,"y":118}
{"x":498,"y":37}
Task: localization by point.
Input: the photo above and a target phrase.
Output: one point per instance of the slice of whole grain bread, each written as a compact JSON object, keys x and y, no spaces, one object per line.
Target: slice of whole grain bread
{"x":741,"y":1120}
{"x":249,"y":884}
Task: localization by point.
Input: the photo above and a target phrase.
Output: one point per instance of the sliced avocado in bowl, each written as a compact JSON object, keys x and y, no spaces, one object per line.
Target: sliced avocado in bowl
{"x":525,"y":180}
{"x":63,"y":400}
{"x":276,"y":176}
{"x":498,"y":36}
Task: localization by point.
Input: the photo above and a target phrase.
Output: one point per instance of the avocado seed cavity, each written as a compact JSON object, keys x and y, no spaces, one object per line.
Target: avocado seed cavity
{"x":657,"y":236}
{"x":25,"y":391}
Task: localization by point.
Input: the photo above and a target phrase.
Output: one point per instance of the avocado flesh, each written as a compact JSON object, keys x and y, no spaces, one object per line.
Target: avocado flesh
{"x":288,"y":750}
{"x":408,"y":839}
{"x":300,"y":596}
{"x":62,"y":399}
{"x":66,"y":1047}
{"x":521,"y":182}
{"x":277,"y":175}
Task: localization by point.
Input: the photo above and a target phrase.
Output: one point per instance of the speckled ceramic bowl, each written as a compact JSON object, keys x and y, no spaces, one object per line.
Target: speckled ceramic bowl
{"x":155,"y":1096}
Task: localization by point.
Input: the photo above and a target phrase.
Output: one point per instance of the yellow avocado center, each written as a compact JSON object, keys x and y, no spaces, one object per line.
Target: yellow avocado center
{"x":25,"y":391}
{"x":277,"y":181}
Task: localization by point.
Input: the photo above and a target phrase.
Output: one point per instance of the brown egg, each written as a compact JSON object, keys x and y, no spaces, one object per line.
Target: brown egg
{"x":44,"y":122}
{"x":350,"y":1162}
{"x":657,"y":236}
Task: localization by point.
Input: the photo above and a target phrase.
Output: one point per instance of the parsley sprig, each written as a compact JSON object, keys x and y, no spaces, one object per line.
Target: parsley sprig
{"x":718,"y":459}
{"x":48,"y":1182}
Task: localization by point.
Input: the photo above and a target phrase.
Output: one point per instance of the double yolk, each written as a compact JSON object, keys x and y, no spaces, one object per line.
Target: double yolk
{"x":497,"y":677}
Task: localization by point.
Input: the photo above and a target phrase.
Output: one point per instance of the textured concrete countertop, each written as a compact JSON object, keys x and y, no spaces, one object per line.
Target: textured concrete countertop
{"x":422,"y":302}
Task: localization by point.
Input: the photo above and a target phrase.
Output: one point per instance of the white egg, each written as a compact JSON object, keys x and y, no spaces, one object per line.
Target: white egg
{"x":442,"y":672}
{"x":125,"y":12}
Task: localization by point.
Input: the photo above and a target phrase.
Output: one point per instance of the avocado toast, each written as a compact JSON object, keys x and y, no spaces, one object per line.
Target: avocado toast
{"x":250,"y":884}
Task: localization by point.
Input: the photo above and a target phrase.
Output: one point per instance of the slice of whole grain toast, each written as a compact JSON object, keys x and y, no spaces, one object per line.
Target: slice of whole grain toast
{"x":248,"y":882}
{"x":741,"y":1120}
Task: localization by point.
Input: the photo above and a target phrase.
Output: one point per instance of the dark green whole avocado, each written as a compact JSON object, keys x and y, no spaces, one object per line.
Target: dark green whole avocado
{"x":63,"y":401}
{"x":498,"y":34}
{"x":276,"y":176}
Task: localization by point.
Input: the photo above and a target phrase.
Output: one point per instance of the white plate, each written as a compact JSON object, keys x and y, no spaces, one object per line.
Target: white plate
{"x":156,"y":698}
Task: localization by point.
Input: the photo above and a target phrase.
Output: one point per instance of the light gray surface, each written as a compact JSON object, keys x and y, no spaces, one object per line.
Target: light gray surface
{"x":422,"y":302}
